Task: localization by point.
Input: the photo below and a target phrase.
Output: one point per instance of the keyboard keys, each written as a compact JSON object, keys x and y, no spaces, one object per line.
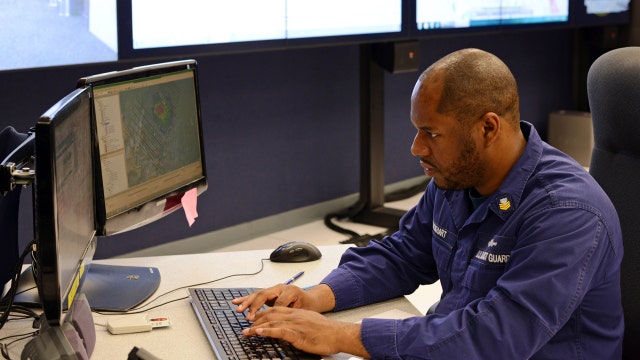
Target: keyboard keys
{"x":227,"y":325}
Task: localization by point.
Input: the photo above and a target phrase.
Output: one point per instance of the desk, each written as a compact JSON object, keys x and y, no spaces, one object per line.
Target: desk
{"x":185,"y":339}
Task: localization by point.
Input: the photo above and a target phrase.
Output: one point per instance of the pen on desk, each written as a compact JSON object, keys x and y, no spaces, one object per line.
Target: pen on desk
{"x":294,"y":278}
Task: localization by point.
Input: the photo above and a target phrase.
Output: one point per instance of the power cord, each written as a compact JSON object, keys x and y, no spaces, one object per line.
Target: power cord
{"x":328,"y":222}
{"x":408,"y":192}
{"x":6,"y":304}
{"x":364,"y":239}
{"x":19,"y":312}
{"x":4,"y":347}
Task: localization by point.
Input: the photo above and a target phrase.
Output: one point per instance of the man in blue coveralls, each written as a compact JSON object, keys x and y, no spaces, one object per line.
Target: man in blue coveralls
{"x":526,"y":245}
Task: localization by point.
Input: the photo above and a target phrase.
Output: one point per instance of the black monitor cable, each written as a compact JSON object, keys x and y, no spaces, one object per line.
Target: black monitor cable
{"x":408,"y":192}
{"x":6,"y":304}
{"x":328,"y":222}
{"x":363,"y":239}
{"x":4,"y":346}
{"x":18,"y":312}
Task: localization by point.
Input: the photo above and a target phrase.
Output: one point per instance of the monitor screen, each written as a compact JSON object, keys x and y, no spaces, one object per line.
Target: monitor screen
{"x":217,"y":26}
{"x":606,"y":6}
{"x":64,"y":201}
{"x":148,"y":130}
{"x":306,"y":18}
{"x":55,"y":33}
{"x":460,"y":14}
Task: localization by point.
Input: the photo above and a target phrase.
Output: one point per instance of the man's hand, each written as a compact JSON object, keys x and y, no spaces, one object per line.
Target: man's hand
{"x":319,"y":299}
{"x":308,"y":331}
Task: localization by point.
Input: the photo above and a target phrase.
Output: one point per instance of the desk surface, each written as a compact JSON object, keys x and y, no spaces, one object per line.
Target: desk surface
{"x":185,"y":339}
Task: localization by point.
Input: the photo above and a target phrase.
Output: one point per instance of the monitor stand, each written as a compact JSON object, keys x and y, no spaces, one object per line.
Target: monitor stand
{"x":107,"y":287}
{"x":26,"y":294}
{"x":370,"y":208}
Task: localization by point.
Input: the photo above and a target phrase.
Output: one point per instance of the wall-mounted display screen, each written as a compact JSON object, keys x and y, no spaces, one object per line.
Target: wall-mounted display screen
{"x":44,"y":33}
{"x":606,"y":6}
{"x":199,"y":22}
{"x":338,"y":17}
{"x":156,"y":26}
{"x":456,"y":14}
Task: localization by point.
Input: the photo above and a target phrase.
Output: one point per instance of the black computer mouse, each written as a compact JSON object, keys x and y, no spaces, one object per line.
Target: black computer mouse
{"x":295,"y":251}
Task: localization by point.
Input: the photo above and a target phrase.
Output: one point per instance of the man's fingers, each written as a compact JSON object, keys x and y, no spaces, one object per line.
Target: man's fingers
{"x":255,"y":301}
{"x":276,"y":332}
{"x":287,"y":297}
{"x":273,"y":329}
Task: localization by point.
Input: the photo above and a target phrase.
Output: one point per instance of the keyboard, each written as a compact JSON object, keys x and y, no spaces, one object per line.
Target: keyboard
{"x":223,"y":327}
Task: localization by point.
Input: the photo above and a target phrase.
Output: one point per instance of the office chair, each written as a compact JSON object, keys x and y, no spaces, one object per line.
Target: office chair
{"x":613,"y":88}
{"x":9,"y":252}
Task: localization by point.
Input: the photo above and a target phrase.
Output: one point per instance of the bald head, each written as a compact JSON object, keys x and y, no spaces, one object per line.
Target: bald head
{"x":474,"y":82}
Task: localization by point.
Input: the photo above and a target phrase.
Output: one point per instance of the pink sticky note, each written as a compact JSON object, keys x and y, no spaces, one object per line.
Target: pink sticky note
{"x":189,"y":204}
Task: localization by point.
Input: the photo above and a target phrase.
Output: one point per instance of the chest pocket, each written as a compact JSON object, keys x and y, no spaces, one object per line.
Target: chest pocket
{"x":487,"y":263}
{"x":443,"y":247}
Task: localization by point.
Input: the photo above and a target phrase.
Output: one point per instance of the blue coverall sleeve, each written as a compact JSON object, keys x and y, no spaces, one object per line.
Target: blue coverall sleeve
{"x":397,"y":265}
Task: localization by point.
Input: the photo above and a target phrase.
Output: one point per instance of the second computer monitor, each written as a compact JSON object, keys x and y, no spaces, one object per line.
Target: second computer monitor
{"x":149,"y":135}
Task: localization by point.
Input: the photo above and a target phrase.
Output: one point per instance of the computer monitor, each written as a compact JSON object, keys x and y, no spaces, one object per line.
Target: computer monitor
{"x":115,"y":154}
{"x":64,"y":201}
{"x":150,"y":149}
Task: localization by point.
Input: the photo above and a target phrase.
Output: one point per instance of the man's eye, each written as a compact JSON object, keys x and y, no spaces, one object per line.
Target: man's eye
{"x":432,"y":135}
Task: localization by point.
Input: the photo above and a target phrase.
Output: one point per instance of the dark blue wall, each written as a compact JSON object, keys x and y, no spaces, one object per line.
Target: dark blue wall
{"x":281,"y":127}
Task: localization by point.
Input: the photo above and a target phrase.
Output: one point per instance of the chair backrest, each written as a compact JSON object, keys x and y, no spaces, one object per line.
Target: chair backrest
{"x":9,"y":139}
{"x":613,"y":87}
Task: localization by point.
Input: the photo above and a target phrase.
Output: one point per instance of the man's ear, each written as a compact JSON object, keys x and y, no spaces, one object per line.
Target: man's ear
{"x":491,"y":127}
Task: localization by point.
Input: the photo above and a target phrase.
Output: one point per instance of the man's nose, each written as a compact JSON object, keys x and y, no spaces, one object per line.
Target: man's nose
{"x":419,"y":148}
